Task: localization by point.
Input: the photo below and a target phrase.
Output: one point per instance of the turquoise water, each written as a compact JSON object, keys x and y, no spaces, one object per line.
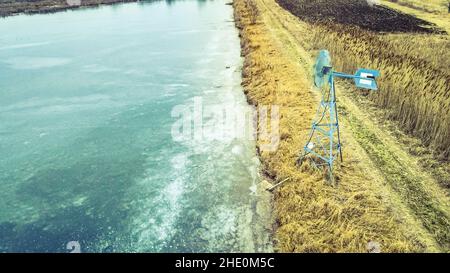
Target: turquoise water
{"x":87,"y":153}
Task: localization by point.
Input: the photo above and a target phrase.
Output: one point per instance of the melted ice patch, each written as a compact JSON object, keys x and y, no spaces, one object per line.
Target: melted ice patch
{"x":154,"y":226}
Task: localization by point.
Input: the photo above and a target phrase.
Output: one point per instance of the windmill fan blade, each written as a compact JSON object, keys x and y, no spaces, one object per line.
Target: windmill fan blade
{"x":322,"y":69}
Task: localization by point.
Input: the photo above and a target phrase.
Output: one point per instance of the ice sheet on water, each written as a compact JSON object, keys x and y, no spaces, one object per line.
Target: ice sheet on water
{"x":23,"y":63}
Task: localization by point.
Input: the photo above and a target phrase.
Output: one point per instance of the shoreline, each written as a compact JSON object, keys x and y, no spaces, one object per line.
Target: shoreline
{"x":8,"y":9}
{"x":367,"y":206}
{"x":372,"y":202}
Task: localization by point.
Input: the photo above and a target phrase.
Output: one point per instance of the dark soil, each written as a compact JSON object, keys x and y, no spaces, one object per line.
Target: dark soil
{"x":357,"y":12}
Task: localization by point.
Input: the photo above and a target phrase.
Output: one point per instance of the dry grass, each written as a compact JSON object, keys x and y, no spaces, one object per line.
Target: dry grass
{"x":415,"y":81}
{"x":440,"y":19}
{"x":433,"y":6}
{"x":414,"y":92}
{"x":313,"y":216}
{"x":253,"y":11}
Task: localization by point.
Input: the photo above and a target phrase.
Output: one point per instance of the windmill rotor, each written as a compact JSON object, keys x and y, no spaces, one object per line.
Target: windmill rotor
{"x":322,"y":69}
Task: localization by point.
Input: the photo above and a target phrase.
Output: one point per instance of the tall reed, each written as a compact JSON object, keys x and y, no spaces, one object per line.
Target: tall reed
{"x":414,"y":88}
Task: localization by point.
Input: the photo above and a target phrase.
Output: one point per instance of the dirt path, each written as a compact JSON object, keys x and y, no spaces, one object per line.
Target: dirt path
{"x":375,"y":164}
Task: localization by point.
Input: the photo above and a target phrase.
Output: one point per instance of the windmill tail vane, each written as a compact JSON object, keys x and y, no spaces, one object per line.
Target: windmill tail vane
{"x":323,"y":146}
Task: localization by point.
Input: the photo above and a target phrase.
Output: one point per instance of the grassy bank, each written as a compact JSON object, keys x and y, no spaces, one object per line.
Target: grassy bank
{"x":383,"y":195}
{"x":13,"y":7}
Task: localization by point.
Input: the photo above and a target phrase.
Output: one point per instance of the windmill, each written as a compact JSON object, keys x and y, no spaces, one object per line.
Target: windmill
{"x":324,"y":141}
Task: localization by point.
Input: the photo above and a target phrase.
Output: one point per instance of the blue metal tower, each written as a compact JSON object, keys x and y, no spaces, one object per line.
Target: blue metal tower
{"x":324,"y":142}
